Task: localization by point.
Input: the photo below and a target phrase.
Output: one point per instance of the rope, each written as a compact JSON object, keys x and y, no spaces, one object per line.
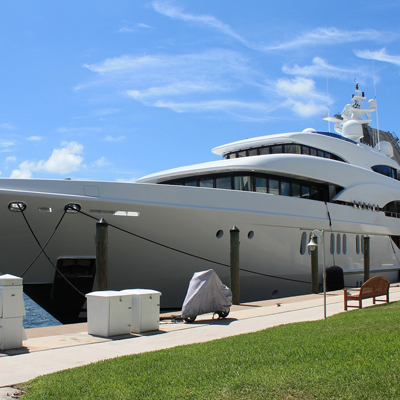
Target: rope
{"x":42,"y":249}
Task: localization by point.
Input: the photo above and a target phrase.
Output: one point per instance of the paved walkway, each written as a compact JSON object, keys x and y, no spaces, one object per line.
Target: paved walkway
{"x":57,"y":348}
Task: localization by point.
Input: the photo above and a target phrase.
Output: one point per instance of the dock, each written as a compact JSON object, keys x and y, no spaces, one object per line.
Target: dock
{"x":56,"y":348}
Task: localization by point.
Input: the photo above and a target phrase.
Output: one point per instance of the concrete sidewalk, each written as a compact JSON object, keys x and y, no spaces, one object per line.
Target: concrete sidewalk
{"x":57,"y":348}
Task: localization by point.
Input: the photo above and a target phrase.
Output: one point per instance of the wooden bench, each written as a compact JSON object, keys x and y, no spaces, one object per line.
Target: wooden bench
{"x":376,"y":286}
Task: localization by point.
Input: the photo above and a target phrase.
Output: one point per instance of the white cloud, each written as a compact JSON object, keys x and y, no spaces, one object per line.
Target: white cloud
{"x":299,"y":95}
{"x":63,"y":160}
{"x":379,"y":55}
{"x":198,"y":79}
{"x":332,"y":36}
{"x":320,"y":68}
{"x":178,"y":88}
{"x":226,"y":105}
{"x":320,"y":36}
{"x":35,"y":138}
{"x":64,"y":129}
{"x":6,"y":143}
{"x":205,"y":20}
{"x":305,"y":109}
{"x":125,"y":29}
{"x":110,"y":138}
{"x":297,"y":86}
{"x":7,"y":126}
{"x":156,"y":66}
{"x":101,"y":162}
{"x":10,"y":159}
{"x":128,"y":29}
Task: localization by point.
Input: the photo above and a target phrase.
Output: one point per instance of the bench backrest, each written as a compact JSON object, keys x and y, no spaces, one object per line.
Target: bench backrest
{"x":375,"y":285}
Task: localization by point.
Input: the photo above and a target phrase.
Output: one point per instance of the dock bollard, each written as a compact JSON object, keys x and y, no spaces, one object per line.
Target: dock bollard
{"x":102,"y":254}
{"x":234,"y":263}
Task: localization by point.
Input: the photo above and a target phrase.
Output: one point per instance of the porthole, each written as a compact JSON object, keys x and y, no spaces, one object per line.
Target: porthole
{"x":344,"y":240}
{"x":358,"y":244}
{"x":303,"y":243}
{"x":332,"y":243}
{"x":219,"y":234}
{"x":275,"y":294}
{"x":338,"y":243}
{"x":250,"y":235}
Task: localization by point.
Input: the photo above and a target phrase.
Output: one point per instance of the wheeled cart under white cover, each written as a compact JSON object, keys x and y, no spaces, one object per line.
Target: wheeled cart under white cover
{"x":206,"y":294}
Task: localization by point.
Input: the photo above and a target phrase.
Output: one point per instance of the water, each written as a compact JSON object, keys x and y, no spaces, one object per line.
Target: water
{"x":35,"y":316}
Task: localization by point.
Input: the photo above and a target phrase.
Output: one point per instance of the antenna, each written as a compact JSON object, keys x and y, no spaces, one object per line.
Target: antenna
{"x":376,"y":105}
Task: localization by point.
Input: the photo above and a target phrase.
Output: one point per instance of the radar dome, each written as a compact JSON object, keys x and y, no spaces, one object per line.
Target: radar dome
{"x":310,"y":130}
{"x":352,"y":130}
{"x":386,"y":148}
{"x":371,"y":103}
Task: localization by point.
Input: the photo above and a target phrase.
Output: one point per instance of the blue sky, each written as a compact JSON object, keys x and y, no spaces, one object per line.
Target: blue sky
{"x":106,"y":90}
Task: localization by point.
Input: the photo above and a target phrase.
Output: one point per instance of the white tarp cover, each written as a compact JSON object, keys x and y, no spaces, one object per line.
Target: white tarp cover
{"x":206,"y":293}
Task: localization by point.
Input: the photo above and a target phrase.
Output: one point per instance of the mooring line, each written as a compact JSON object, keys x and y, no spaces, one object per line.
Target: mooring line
{"x":193,"y":255}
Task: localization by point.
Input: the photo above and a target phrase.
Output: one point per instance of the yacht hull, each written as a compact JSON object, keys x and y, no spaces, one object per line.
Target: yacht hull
{"x":159,"y":235}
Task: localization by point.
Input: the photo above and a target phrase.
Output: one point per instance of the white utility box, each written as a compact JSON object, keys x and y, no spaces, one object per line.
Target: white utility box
{"x":145,"y":312}
{"x":12,"y":309}
{"x":108,"y":313}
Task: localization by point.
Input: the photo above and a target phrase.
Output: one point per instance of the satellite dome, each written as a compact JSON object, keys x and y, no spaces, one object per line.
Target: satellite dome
{"x":371,"y":103}
{"x":386,"y":148}
{"x":309,"y":130}
{"x":352,"y":130}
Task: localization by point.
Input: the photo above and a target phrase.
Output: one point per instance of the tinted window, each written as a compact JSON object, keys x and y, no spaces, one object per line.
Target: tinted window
{"x":260,"y":185}
{"x":242,"y":183}
{"x":273,"y":186}
{"x":285,"y":188}
{"x":207,"y":183}
{"x":296,"y":191}
{"x":292,"y":148}
{"x":305,"y":192}
{"x":253,"y":152}
{"x":276,"y":149}
{"x":223,"y":183}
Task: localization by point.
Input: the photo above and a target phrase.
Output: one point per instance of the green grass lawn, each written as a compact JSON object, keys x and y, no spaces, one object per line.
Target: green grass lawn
{"x":352,"y":355}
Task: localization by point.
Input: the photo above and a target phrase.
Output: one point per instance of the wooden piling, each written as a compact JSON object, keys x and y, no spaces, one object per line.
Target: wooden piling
{"x":314,"y":271}
{"x":367,"y":251}
{"x":234,"y":264}
{"x":102,"y":255}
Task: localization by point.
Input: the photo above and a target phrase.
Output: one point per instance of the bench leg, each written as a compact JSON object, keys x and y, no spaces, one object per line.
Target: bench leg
{"x":373,"y":300}
{"x":360,"y":303}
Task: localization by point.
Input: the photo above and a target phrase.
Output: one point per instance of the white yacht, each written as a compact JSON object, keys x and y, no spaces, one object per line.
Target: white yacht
{"x":275,"y":189}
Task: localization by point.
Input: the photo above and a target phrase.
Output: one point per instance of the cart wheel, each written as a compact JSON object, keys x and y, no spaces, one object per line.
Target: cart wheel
{"x":223,"y":314}
{"x":190,"y":319}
